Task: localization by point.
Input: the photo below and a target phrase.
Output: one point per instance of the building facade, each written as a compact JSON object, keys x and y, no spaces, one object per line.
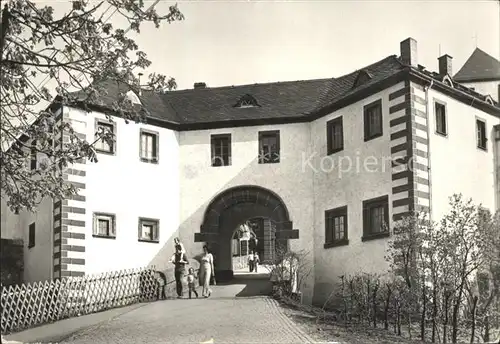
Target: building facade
{"x":329,"y":164}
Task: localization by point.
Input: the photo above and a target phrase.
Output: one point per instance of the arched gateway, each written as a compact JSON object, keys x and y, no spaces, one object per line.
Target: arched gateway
{"x":231,"y":208}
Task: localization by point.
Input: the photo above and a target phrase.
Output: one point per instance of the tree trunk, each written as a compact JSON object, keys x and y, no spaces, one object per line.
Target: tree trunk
{"x":424,"y":310}
{"x":473,"y":329}
{"x":409,"y":322}
{"x":375,"y":290}
{"x":454,"y":319}
{"x":434,"y":311}
{"x":445,"y":323}
{"x":398,"y":318}
{"x":386,"y":310}
{"x":486,"y":329}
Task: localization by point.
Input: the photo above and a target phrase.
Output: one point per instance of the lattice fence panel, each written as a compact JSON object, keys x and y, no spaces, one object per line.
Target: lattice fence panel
{"x":28,"y":305}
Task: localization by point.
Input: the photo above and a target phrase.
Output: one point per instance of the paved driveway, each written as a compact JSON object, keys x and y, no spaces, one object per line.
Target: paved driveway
{"x":231,"y":315}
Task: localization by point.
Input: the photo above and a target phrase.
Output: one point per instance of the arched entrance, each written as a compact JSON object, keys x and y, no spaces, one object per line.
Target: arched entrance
{"x":231,"y":208}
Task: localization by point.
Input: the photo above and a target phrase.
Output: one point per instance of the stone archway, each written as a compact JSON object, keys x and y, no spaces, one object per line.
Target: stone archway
{"x":234,"y":206}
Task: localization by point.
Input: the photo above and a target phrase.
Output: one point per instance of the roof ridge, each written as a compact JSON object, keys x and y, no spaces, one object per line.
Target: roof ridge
{"x":282,"y":82}
{"x":246,"y":85}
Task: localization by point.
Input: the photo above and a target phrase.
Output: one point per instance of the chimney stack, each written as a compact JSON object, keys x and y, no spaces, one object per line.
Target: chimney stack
{"x":445,"y":65}
{"x":408,"y":49}
{"x":198,"y":85}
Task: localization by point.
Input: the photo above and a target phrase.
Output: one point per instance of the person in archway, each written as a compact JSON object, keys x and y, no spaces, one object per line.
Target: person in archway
{"x":180,"y":261}
{"x":251,"y":261}
{"x":206,"y":271}
{"x":256,"y":261}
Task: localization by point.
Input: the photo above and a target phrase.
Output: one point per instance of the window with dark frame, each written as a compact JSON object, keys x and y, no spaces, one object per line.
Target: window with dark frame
{"x":221,"y":150}
{"x":33,"y":156}
{"x":31,"y":235}
{"x":269,"y":147}
{"x":101,"y":145}
{"x":373,"y":120}
{"x":335,"y":135}
{"x":149,"y":146}
{"x":336,"y":227}
{"x":104,"y":225}
{"x":440,"y":110}
{"x":376,"y":218}
{"x":481,"y":134}
{"x":149,"y":230}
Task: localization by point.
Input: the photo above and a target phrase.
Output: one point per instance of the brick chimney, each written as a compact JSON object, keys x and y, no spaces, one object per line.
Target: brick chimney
{"x":198,"y":85}
{"x":445,"y":65}
{"x":408,"y":49}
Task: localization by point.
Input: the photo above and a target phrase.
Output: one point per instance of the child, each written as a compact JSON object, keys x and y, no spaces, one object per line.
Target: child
{"x":250,"y":262}
{"x":191,"y":285}
{"x":256,"y":261}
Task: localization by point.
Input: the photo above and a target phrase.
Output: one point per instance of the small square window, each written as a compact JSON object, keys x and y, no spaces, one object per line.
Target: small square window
{"x":373,"y":120}
{"x":104,"y":225}
{"x":335,"y":135}
{"x":481,"y":134}
{"x":376,"y":218}
{"x":31,"y":235}
{"x":221,"y":150}
{"x":441,"y":125}
{"x":149,"y":146}
{"x":105,"y":146}
{"x":269,"y":147}
{"x":149,"y":230}
{"x":336,"y":227}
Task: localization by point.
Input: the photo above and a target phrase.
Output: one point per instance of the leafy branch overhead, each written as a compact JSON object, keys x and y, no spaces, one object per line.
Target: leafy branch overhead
{"x":77,"y":57}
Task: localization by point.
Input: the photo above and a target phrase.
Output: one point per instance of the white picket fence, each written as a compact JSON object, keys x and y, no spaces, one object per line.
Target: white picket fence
{"x":29,"y":305}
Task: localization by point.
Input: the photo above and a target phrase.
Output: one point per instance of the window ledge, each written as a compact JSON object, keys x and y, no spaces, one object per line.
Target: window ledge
{"x":221,"y":165}
{"x":333,"y":151}
{"x":336,"y":243}
{"x":369,"y":138}
{"x":103,"y":236}
{"x":148,"y":240}
{"x":268,"y":162}
{"x":31,"y":246}
{"x":369,"y":237}
{"x":100,"y":151}
{"x":442,"y":134}
{"x":150,"y":161}
{"x":485,"y":149}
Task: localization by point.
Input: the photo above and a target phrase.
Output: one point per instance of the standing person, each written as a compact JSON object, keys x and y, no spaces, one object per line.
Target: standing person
{"x":250,"y":261}
{"x":179,"y":259}
{"x":206,"y":271}
{"x":178,"y":242}
{"x":190,"y":279}
{"x":256,"y":261}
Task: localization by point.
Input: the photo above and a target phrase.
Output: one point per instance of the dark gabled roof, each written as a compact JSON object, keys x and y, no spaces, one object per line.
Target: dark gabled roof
{"x":479,"y":67}
{"x":291,"y":99}
{"x":278,"y":102}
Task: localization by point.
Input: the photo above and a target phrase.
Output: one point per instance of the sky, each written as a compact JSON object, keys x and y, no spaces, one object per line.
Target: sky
{"x":244,"y":42}
{"x":241,"y":42}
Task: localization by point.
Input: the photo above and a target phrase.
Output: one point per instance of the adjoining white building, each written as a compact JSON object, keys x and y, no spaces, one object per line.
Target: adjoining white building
{"x":323,"y":163}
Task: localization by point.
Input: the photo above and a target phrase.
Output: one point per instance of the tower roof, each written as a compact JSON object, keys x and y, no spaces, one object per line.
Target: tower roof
{"x":479,"y":67}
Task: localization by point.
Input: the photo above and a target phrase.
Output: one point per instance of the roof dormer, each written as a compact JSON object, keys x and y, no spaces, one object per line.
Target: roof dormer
{"x":246,"y":101}
{"x":447,"y":81}
{"x":362,"y":77}
{"x":489,"y":100}
{"x":130,"y":95}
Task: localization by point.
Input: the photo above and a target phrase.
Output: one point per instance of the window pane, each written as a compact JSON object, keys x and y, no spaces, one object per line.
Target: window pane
{"x":148,"y":231}
{"x":103,"y":227}
{"x":377,"y":219}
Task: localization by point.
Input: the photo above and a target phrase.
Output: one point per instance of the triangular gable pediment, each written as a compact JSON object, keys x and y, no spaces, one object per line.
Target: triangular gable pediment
{"x":246,"y":101}
{"x":133,"y":97}
{"x":447,"y":80}
{"x":362,"y":77}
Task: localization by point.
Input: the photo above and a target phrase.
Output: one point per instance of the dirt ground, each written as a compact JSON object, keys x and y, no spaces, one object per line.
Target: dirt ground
{"x":323,"y":328}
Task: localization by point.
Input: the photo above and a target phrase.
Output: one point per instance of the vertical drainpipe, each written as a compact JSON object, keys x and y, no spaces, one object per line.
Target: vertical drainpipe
{"x":429,"y":170}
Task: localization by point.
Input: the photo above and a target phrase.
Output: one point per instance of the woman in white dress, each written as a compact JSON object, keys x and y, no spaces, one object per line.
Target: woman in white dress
{"x":206,"y":271}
